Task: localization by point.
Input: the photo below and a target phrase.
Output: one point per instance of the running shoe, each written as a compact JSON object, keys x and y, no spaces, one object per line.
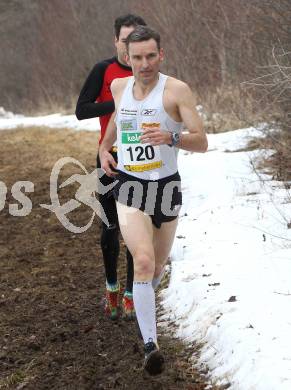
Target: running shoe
{"x":128,"y":306}
{"x":112,"y":302}
{"x":154,"y":362}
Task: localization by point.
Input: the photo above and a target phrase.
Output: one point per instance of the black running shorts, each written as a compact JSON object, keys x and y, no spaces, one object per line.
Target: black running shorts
{"x":160,"y":199}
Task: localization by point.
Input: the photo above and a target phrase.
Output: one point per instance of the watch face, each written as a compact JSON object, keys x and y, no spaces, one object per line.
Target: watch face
{"x":176,"y":138}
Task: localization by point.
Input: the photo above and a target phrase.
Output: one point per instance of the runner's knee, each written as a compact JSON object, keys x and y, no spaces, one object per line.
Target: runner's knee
{"x":144,"y":264}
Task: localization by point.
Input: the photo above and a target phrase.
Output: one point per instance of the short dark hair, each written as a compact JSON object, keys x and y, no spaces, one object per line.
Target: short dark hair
{"x":127,"y":21}
{"x":143,"y":33}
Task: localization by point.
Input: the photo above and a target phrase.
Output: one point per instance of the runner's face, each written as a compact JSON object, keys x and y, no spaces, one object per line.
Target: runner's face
{"x":145,"y":58}
{"x":120,"y":43}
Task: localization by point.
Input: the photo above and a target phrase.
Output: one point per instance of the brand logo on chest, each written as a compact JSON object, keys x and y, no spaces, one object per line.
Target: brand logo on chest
{"x":125,"y":111}
{"x":149,"y":112}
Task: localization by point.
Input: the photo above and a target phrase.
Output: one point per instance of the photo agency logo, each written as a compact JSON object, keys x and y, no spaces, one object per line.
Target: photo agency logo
{"x":87,"y":193}
{"x":90,"y":185}
{"x":19,"y":196}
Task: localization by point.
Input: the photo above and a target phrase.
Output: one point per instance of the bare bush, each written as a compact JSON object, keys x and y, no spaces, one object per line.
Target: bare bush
{"x":214,"y":45}
{"x":49,"y":47}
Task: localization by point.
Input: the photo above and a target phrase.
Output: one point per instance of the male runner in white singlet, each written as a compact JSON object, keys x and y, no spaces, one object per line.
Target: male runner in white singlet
{"x":150,"y":108}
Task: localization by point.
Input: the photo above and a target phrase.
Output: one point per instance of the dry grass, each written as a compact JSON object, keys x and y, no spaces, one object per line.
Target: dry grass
{"x":279,"y":163}
{"x":229,"y":108}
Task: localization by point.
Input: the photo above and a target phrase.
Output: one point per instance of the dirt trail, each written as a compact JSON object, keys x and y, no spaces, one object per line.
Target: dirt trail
{"x":53,"y":334}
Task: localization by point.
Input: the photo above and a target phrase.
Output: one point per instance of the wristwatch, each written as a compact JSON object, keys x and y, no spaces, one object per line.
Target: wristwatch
{"x":175,"y":139}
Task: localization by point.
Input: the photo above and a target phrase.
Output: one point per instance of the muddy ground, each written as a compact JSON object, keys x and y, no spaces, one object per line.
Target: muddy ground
{"x":53,"y":334}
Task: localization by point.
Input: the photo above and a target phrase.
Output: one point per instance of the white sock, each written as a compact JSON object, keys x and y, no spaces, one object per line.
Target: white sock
{"x":145,"y":309}
{"x":156,"y":281}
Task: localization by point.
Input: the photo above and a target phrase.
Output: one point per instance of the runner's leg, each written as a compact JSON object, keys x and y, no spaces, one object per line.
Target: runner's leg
{"x":137,"y":231}
{"x":129,"y":279}
{"x":109,"y":234}
{"x":127,"y":300}
{"x":163,"y":241}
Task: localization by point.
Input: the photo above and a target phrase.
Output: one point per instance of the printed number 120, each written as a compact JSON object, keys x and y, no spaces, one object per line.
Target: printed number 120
{"x":147,"y":153}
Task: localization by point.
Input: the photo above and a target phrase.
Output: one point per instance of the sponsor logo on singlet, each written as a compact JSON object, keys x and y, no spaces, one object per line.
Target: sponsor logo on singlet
{"x":125,"y":111}
{"x":149,"y":112}
{"x":128,"y":125}
{"x":131,"y":138}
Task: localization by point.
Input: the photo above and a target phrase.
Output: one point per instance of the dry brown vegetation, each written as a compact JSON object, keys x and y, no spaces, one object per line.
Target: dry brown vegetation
{"x":215,"y":45}
{"x":235,"y":54}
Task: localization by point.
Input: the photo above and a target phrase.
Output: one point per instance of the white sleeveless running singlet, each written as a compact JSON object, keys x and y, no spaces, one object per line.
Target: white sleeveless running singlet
{"x":144,"y":161}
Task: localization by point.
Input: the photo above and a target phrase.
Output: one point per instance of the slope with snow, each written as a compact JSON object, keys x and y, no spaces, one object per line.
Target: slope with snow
{"x":9,"y":121}
{"x":230,"y":285}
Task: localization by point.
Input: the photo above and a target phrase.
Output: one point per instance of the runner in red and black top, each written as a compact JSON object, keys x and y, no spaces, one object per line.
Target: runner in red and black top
{"x":96,"y":100}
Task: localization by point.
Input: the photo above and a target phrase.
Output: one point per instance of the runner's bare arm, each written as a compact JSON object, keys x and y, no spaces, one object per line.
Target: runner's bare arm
{"x":106,"y":159}
{"x":195,"y":140}
{"x":181,"y":97}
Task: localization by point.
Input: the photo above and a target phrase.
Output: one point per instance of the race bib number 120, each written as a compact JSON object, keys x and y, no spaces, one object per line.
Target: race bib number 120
{"x":138,"y":157}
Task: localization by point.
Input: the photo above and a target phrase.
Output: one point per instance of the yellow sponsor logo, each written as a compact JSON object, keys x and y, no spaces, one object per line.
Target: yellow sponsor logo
{"x":144,"y":167}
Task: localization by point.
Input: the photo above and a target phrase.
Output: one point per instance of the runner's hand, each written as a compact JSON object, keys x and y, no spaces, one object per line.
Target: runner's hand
{"x":108,"y":163}
{"x":155,"y":136}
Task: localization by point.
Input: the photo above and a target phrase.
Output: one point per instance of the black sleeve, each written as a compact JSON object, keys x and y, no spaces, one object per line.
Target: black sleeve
{"x":86,"y":105}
